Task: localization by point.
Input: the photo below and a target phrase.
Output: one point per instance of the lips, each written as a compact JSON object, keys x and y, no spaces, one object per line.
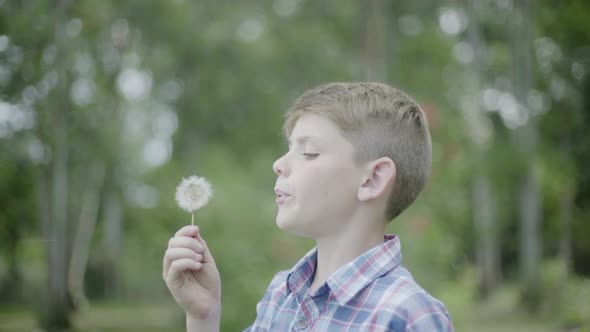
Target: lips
{"x":281,"y":195}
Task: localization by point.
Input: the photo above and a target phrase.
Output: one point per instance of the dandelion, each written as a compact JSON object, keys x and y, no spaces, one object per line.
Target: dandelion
{"x":192,"y":194}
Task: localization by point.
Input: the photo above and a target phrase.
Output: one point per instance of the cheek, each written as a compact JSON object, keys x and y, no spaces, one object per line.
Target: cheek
{"x":329,"y":182}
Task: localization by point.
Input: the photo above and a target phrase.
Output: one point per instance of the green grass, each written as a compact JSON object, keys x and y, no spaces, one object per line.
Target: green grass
{"x":500,"y":313}
{"x":108,"y":317}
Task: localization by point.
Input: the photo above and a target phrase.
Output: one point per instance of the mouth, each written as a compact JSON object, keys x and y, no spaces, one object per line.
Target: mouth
{"x":281,"y":196}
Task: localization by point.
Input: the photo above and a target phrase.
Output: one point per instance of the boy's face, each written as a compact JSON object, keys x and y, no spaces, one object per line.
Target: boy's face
{"x":320,"y":178}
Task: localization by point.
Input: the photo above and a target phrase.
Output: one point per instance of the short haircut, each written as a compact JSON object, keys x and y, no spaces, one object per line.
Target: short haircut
{"x":379,"y":121}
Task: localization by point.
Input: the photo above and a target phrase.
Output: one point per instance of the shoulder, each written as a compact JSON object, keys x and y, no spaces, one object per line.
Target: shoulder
{"x":426,"y":313}
{"x":278,"y":283}
{"x":279,"y":279}
{"x":276,"y":288}
{"x":408,"y":305}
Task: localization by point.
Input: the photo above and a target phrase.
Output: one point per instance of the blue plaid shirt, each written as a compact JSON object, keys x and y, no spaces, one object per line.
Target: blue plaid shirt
{"x":374,"y":292}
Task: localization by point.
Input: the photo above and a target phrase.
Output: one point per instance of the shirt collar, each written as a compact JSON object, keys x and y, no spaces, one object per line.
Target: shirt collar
{"x":302,"y":273}
{"x":352,"y":277}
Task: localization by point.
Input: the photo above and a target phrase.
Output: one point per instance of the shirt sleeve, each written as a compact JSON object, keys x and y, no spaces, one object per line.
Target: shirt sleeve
{"x":425,"y":313}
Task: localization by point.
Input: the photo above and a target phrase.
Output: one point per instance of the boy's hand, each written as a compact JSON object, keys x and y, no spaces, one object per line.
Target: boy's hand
{"x":191,"y":275}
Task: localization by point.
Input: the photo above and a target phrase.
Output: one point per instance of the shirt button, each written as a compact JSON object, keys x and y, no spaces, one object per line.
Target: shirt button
{"x":302,"y":324}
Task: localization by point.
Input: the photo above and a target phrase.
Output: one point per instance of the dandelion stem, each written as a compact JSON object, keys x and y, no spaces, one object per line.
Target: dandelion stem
{"x":193,"y":218}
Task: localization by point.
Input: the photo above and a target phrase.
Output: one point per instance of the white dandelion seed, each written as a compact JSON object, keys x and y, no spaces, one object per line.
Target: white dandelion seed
{"x":193,"y":193}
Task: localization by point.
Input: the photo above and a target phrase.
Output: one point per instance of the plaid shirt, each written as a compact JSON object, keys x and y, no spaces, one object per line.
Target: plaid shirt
{"x":374,"y":292}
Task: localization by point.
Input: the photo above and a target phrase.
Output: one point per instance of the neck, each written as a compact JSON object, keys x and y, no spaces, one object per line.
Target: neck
{"x":338,"y":249}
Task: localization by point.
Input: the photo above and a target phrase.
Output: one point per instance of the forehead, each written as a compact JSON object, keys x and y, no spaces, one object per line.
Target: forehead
{"x":315,"y":128}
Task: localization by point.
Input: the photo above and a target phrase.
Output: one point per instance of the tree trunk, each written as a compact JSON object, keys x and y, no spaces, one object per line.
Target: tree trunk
{"x":112,"y":243}
{"x":526,"y":140}
{"x":58,"y":306}
{"x":58,"y":310}
{"x":565,"y":235}
{"x":483,"y":207}
{"x":83,"y":239}
{"x":530,"y":243}
{"x":485,"y":229}
{"x":374,"y":41}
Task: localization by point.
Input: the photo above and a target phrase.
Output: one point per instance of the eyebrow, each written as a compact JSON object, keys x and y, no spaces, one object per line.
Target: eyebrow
{"x":302,"y":139}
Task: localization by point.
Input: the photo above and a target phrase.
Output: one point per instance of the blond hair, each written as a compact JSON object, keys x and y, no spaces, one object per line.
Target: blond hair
{"x":379,"y":121}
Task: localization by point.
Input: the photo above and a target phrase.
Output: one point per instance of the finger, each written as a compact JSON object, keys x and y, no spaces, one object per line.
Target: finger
{"x":207,"y":257}
{"x":178,"y":267}
{"x":186,"y":242}
{"x":179,"y":253}
{"x":189,"y":230}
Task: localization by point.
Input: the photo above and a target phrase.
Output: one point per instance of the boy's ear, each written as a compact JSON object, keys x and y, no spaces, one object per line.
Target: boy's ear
{"x":379,"y":178}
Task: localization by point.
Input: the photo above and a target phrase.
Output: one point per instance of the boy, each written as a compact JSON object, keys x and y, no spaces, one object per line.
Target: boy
{"x":359,"y":154}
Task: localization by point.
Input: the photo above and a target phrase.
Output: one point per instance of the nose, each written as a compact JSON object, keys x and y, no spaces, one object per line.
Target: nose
{"x":278,"y":166}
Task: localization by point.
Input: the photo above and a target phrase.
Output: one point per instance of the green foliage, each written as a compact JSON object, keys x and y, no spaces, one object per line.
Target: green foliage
{"x":155,"y":91}
{"x":565,"y":296}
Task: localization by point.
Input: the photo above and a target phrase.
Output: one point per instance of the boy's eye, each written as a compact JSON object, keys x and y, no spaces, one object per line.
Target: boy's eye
{"x":310,"y":155}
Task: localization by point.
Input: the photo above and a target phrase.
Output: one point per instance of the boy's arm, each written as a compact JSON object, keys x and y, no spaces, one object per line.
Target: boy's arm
{"x":196,"y":325}
{"x":436,"y":321}
{"x":193,"y":279}
{"x":427,"y":314}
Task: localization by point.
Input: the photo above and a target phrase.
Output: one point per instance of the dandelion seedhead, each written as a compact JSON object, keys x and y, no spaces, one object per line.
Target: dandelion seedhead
{"x":193,"y":193}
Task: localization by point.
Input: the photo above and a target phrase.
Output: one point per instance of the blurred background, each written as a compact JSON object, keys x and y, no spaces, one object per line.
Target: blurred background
{"x":106,"y":105}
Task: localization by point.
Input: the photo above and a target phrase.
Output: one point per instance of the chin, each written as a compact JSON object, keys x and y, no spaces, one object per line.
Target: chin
{"x":283,"y":223}
{"x":291,"y":226}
